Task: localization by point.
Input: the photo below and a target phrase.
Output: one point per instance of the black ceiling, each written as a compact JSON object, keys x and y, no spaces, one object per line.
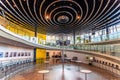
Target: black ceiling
{"x":62,"y":16}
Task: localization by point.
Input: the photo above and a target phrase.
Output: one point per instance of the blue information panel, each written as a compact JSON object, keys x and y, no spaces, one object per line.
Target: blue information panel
{"x":1,"y":54}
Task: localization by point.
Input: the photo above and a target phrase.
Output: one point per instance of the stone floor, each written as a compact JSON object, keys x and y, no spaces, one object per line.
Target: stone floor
{"x":66,"y":72}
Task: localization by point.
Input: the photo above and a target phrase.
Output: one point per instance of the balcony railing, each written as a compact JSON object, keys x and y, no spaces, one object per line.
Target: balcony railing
{"x":113,"y":50}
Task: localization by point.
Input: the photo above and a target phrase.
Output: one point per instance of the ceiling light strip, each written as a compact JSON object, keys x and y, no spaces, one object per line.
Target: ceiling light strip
{"x":64,"y":7}
{"x":26,"y":13}
{"x":67,"y":1}
{"x":11,"y":13}
{"x":104,"y":16}
{"x":23,"y":17}
{"x":63,"y":12}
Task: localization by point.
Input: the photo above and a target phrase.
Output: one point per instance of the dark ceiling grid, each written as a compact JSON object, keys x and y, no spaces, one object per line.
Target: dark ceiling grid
{"x":7,"y":11}
{"x":25,"y":18}
{"x":37,"y":12}
{"x":14,"y":8}
{"x":85,"y":9}
{"x":105,"y":20}
{"x":95,"y":16}
{"x":63,"y":16}
{"x":91,"y":16}
{"x":36,"y":5}
{"x":49,"y":20}
{"x":26,"y":11}
{"x":62,"y":7}
{"x":18,"y":23}
{"x":91,"y":12}
{"x":23,"y":22}
{"x":43,"y":16}
{"x":102,"y":21}
{"x":102,"y":18}
{"x":95,"y":19}
{"x":20,"y":10}
{"x":14,"y":20}
{"x":31,"y":8}
{"x":110,"y":19}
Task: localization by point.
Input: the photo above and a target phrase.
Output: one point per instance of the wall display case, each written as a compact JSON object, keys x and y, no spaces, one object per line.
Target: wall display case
{"x":25,"y":53}
{"x":11,"y":59}
{"x":22,"y":53}
{"x":18,"y":53}
{"x":15,"y":54}
{"x":29,"y":54}
{"x":11,"y":54}
{"x":6,"y":54}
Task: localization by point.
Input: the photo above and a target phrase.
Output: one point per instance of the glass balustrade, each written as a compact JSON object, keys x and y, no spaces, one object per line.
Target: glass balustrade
{"x":113,"y":50}
{"x":22,"y":33}
{"x":11,"y":67}
{"x":105,"y":49}
{"x":30,"y":36}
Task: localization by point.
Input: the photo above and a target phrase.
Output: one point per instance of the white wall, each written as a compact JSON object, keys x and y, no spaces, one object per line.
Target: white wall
{"x":13,"y":49}
{"x":81,"y":57}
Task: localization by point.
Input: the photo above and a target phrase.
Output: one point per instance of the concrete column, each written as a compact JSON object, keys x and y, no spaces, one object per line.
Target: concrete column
{"x":107,"y":33}
{"x":35,"y":34}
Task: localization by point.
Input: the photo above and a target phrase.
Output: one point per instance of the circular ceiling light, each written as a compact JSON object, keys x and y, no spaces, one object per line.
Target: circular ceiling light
{"x":63,"y":19}
{"x":47,"y":17}
{"x":78,"y":17}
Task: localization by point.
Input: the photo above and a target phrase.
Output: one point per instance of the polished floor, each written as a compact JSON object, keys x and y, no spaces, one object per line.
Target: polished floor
{"x":70,"y":72}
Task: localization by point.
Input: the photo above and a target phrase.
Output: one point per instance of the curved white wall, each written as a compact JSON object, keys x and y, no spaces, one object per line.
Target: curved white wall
{"x":83,"y":55}
{"x":15,"y":52}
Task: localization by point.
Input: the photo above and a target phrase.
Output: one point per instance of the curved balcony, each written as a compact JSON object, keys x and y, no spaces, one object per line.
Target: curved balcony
{"x":98,"y":50}
{"x":8,"y":37}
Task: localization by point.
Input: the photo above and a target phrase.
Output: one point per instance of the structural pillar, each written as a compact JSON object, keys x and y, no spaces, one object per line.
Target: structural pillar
{"x":35,"y":34}
{"x":107,"y":33}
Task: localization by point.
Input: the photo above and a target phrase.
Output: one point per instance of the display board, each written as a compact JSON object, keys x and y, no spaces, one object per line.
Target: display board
{"x":8,"y":52}
{"x":61,"y":43}
{"x":1,"y":54}
{"x":14,"y":54}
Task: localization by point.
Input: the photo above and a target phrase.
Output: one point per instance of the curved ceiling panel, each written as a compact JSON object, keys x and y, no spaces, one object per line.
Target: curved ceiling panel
{"x":62,"y":16}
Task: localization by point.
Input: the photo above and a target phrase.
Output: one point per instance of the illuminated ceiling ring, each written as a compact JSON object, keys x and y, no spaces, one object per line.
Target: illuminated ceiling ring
{"x":66,"y":11}
{"x":60,"y":13}
{"x":59,"y":1}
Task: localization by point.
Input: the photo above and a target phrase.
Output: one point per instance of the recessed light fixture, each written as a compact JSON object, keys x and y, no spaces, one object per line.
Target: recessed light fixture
{"x":78,"y":17}
{"x":47,"y":17}
{"x":14,"y":5}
